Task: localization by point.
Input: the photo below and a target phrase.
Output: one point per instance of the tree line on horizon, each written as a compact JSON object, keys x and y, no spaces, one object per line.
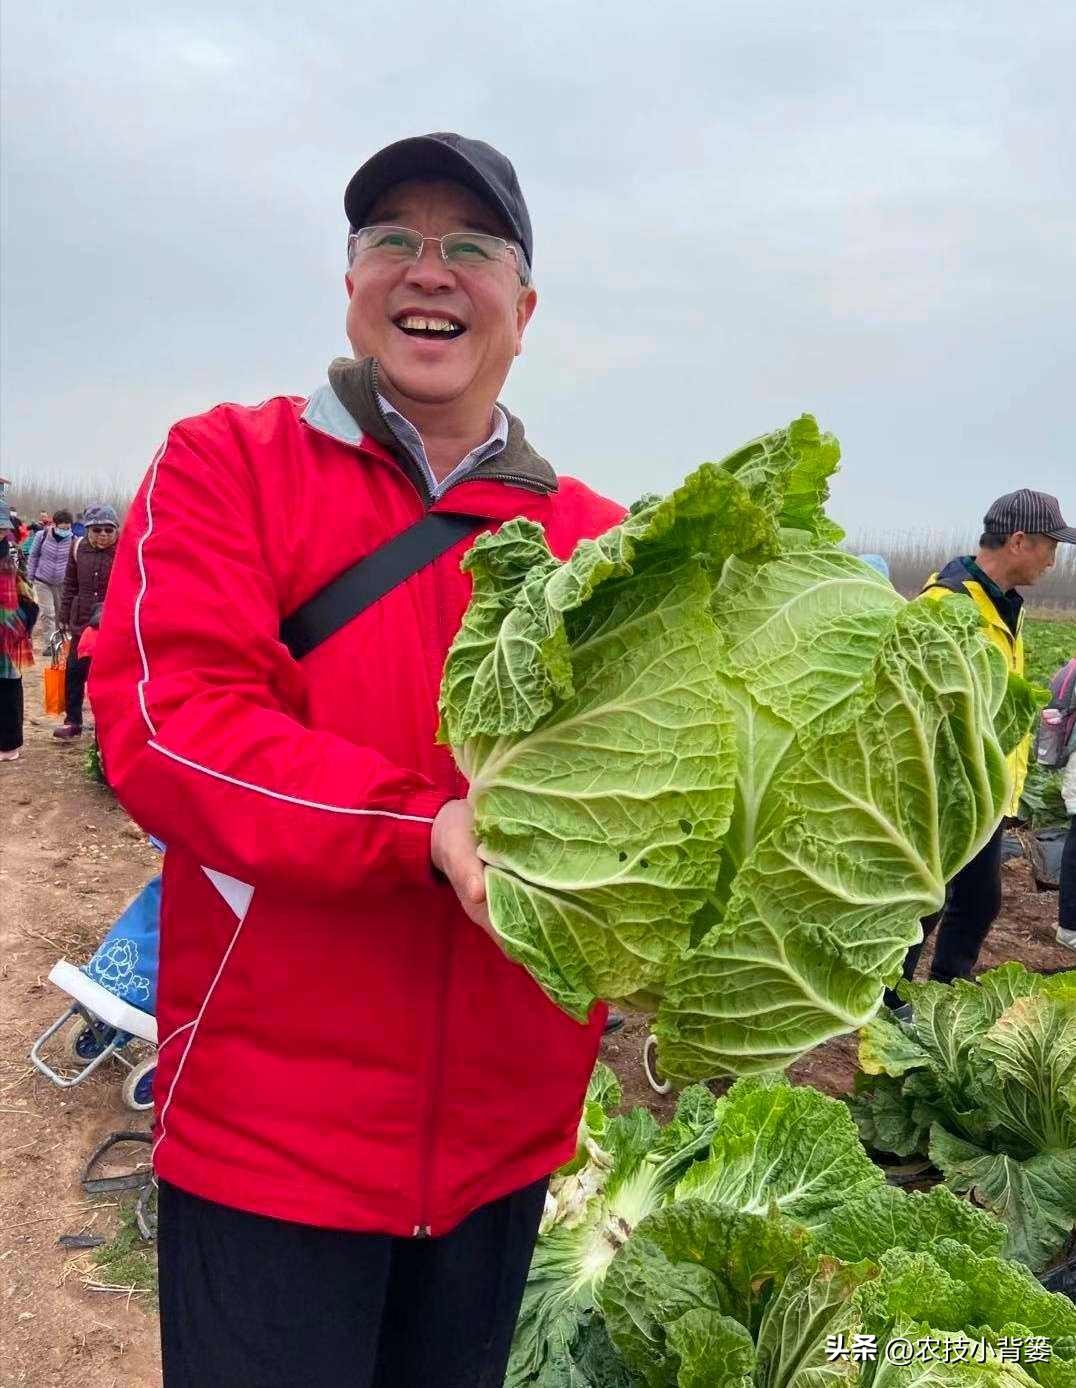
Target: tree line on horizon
{"x":912,"y":556}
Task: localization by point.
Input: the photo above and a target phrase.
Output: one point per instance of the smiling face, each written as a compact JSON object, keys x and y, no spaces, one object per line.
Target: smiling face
{"x":388,"y":301}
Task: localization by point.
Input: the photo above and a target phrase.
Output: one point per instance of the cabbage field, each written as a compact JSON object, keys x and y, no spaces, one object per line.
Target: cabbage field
{"x":750,"y":1238}
{"x":1049,"y":644}
{"x":720,"y":769}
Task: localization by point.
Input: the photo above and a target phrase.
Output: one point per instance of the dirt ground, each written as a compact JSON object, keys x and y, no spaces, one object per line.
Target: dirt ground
{"x":70,"y":859}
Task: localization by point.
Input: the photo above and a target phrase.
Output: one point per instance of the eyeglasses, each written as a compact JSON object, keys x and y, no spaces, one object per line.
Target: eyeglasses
{"x":101,"y":529}
{"x":462,"y":250}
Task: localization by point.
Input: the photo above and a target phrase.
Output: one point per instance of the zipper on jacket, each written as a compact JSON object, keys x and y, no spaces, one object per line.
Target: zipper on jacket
{"x":442,"y":974}
{"x":423,"y":1228}
{"x":528,"y":483}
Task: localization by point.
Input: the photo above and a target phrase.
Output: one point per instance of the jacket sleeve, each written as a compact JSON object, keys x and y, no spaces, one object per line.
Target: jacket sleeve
{"x":70,"y":588}
{"x":198,"y":705}
{"x":35,"y":551}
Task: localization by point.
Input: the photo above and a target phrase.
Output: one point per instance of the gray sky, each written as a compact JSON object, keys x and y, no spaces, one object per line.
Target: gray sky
{"x":742,"y":211}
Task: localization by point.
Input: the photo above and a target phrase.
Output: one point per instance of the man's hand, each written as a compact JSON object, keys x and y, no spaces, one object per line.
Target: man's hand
{"x":453,"y":852}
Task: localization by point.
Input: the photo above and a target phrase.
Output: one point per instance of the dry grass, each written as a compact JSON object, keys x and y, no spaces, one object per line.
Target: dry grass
{"x":31,"y":492}
{"x":913,"y":556}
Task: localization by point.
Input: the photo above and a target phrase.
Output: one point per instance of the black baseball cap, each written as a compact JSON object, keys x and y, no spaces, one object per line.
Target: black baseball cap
{"x":473,"y":163}
{"x":1035,"y":513}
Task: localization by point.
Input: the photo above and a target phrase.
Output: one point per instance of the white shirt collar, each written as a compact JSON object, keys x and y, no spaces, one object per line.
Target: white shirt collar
{"x":410,"y":439}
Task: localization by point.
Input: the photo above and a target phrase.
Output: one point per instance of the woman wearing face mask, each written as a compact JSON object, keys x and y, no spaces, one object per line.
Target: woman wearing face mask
{"x":89,"y":567}
{"x":46,"y":567}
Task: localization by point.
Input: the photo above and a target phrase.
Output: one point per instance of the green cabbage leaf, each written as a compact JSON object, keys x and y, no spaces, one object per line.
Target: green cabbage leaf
{"x":720,"y":768}
{"x":983,"y":1078}
{"x":580,"y":702}
{"x":730,"y":1245}
{"x":879,"y":798}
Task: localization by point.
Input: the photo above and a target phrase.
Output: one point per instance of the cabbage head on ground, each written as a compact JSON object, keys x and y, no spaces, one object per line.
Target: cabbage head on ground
{"x":983,"y":1079}
{"x":729,"y":1247}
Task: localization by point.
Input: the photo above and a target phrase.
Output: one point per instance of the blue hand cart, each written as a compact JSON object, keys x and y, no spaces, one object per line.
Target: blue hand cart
{"x":113,"y":1003}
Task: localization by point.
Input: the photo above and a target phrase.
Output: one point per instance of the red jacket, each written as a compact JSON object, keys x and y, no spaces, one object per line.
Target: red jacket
{"x":340,"y":1045}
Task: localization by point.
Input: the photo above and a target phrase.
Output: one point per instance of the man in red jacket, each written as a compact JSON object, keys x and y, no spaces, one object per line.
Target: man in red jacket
{"x":359,"y":1097}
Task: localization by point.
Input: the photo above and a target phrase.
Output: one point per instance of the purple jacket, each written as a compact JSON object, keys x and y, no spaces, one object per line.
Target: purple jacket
{"x":48,"y":557}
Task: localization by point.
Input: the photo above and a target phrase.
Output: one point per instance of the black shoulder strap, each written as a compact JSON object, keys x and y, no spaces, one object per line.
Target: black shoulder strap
{"x":371,"y":578}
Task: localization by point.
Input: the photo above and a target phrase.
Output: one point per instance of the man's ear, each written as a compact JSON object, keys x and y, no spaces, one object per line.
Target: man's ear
{"x":348,"y":285}
{"x":525,"y":306}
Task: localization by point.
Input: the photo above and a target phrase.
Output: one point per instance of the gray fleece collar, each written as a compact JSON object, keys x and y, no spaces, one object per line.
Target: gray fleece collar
{"x":347,"y":407}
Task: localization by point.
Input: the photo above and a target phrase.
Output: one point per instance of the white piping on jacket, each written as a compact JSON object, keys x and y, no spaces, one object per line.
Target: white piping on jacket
{"x":142,"y":591}
{"x":279,"y":795}
{"x":193,"y":1025}
{"x":197,"y":766}
{"x":173,"y":1034}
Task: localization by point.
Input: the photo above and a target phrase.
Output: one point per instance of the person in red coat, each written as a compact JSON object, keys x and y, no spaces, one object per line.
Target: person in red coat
{"x":359,"y":1098}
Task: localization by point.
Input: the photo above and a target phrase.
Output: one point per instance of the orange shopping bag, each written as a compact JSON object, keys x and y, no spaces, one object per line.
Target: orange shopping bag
{"x":55,"y":673}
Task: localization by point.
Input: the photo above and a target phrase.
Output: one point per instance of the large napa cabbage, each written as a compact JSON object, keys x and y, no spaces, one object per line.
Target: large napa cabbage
{"x":719,"y":767}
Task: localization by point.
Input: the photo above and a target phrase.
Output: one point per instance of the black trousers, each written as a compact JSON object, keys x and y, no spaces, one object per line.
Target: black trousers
{"x":972,"y":905}
{"x":251,"y":1302}
{"x":78,"y":672}
{"x":1067,"y":919}
{"x":10,"y":715}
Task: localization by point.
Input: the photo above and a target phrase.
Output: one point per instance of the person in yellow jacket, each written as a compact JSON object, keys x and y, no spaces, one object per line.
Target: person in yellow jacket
{"x":1021,"y":532}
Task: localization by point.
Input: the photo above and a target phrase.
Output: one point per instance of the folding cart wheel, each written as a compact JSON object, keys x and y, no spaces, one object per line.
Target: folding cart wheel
{"x":138,"y":1086}
{"x":650,"y":1066}
{"x":83,"y":1044}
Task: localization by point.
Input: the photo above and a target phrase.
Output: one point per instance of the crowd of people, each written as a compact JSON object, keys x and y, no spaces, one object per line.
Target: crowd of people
{"x":362,"y":1094}
{"x":55,"y":572}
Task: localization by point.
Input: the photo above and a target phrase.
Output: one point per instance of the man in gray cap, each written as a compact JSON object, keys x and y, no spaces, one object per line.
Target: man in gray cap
{"x":359,"y":1097}
{"x":1021,"y":533}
